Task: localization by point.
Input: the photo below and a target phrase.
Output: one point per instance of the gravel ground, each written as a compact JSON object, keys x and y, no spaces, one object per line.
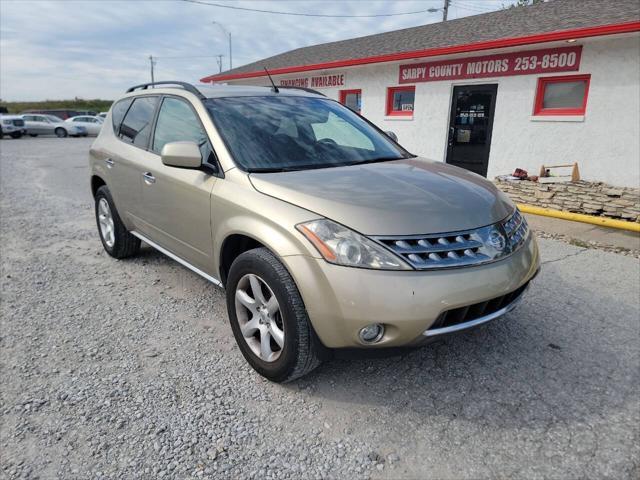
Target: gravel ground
{"x":128,"y":369}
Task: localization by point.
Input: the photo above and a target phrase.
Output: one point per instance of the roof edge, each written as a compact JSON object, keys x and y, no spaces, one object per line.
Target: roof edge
{"x":601,"y":30}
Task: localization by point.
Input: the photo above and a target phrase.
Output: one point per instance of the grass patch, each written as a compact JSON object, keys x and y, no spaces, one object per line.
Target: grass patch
{"x":96,"y":105}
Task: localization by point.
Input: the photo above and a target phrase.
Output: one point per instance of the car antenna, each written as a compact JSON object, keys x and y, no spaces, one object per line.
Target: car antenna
{"x":275,"y":89}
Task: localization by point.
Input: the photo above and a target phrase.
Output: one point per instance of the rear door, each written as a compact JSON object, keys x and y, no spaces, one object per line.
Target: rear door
{"x":39,"y":125}
{"x":132,"y":124}
{"x":176,"y":202}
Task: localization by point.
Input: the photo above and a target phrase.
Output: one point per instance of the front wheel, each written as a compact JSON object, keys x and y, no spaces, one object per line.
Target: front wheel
{"x":33,"y":135}
{"x":116,"y":239}
{"x":16,"y":135}
{"x":268,"y":318}
{"x":60,"y":132}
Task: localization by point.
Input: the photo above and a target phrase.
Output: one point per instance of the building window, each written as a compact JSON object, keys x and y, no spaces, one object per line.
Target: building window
{"x":352,"y":99}
{"x":400,"y":100}
{"x":562,"y":95}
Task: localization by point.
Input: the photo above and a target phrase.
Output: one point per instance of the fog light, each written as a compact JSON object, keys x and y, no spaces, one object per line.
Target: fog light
{"x":371,"y":333}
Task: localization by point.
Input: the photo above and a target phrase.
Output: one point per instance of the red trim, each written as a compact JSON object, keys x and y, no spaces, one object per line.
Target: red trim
{"x":538,"y":108}
{"x":601,"y":30}
{"x":344,"y":93}
{"x":398,"y":113}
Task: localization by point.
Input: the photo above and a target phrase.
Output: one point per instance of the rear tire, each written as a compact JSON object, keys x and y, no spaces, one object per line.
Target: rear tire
{"x":115,"y":238}
{"x":60,"y":132}
{"x":301,"y":350}
{"x":16,"y":135}
{"x":33,"y":135}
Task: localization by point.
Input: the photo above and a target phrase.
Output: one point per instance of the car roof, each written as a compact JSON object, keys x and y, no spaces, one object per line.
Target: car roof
{"x":218,"y":91}
{"x":225,"y":91}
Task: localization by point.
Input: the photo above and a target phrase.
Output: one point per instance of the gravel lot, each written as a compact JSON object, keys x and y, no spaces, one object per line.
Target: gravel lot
{"x":128,"y":369}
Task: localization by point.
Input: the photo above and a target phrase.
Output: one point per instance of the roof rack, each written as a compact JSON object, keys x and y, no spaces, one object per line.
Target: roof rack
{"x":187,"y":86}
{"x":310,"y":90}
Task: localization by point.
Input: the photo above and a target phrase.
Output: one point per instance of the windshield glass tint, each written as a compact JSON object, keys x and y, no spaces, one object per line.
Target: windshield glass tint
{"x":289,"y":133}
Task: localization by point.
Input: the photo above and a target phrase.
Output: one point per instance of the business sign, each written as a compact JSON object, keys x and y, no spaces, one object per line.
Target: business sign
{"x":318,"y":81}
{"x":548,"y":60}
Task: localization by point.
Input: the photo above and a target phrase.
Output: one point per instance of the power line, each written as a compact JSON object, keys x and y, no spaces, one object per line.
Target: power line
{"x":200,"y":2}
{"x":473,"y":7}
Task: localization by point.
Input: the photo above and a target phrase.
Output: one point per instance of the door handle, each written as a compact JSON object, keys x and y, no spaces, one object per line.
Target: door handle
{"x":109,"y":162}
{"x":149,"y":178}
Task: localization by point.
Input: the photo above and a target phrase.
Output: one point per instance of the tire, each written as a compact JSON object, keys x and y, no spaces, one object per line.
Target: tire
{"x":60,"y":132}
{"x":120,"y":243}
{"x":33,"y":135}
{"x":16,"y":135}
{"x":301,"y":351}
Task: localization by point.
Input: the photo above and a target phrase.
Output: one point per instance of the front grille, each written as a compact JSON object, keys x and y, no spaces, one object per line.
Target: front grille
{"x":460,"y":249}
{"x":18,"y":123}
{"x":477,"y":310}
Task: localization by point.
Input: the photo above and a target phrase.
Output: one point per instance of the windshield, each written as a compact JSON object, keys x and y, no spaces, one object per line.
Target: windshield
{"x":281,"y":133}
{"x":54,"y":119}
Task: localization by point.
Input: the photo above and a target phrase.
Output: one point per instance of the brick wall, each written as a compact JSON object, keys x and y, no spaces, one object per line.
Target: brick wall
{"x":593,"y":198}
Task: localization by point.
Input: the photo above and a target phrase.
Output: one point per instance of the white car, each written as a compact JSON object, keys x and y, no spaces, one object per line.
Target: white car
{"x":103,"y":115}
{"x":40,"y":124}
{"x":91,"y":123}
{"x":12,"y":125}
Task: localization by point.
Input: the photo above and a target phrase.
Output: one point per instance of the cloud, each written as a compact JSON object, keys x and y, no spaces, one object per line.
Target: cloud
{"x":90,"y":49}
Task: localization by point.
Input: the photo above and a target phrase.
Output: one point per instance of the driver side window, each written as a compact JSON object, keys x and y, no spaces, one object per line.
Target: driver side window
{"x":177,"y":123}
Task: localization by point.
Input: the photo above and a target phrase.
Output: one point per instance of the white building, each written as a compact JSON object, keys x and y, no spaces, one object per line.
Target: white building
{"x":553,"y":83}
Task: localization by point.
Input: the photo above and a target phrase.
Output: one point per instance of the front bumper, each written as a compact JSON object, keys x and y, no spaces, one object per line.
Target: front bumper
{"x":342,"y":300}
{"x":8,"y":129}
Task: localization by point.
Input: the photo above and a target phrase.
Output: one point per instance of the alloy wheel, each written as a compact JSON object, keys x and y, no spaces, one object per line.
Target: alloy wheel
{"x":105,"y":219}
{"x":258,"y":313}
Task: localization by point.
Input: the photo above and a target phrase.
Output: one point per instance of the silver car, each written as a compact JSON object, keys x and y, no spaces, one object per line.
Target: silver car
{"x":92,"y":124}
{"x":41,"y":124}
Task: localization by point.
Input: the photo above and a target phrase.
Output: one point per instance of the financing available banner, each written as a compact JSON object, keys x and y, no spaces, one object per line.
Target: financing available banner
{"x":315,"y":81}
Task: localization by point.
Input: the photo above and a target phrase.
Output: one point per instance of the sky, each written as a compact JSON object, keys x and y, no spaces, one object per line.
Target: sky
{"x":61,"y":49}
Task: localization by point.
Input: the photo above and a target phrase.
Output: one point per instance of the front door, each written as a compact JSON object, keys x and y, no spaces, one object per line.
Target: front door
{"x":470,"y":127}
{"x":176,"y":202}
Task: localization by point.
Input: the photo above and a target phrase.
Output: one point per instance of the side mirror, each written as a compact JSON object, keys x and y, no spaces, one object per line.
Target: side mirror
{"x":181,"y":155}
{"x":391,"y":135}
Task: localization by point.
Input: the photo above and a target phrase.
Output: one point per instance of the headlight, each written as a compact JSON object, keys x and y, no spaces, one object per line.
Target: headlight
{"x":339,"y":245}
{"x":6,"y":122}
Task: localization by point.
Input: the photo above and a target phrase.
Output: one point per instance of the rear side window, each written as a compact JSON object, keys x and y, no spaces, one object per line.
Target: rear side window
{"x":136,"y":126}
{"x":117,"y":114}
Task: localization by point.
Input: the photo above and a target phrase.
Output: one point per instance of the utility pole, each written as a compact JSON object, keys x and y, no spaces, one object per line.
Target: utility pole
{"x":445,"y":10}
{"x":219,"y":60}
{"x":152,"y":63}
{"x":228,"y":33}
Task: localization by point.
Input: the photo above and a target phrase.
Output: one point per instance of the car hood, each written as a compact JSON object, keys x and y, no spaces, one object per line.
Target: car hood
{"x":401,"y":197}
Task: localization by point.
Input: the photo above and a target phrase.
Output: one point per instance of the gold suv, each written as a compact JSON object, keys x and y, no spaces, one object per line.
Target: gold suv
{"x":325,"y":233}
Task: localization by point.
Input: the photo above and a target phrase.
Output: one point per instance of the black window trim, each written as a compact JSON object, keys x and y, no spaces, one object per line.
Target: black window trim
{"x":207,"y":167}
{"x":153,"y":120}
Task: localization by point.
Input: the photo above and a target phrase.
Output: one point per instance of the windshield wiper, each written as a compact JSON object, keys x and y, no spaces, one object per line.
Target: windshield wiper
{"x":376,"y":160}
{"x":321,"y":165}
{"x":273,"y":169}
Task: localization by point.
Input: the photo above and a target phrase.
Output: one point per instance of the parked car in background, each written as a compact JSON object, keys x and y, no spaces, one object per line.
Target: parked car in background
{"x":51,"y":125}
{"x":62,"y":113}
{"x":93,"y":124}
{"x":103,"y":115}
{"x":12,"y":125}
